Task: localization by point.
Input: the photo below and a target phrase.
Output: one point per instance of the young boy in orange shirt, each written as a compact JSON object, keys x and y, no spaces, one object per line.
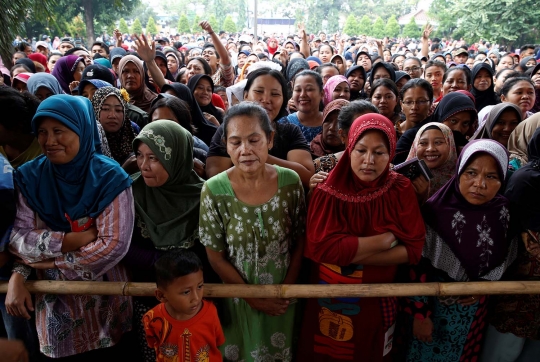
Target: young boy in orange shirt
{"x":184,"y":327}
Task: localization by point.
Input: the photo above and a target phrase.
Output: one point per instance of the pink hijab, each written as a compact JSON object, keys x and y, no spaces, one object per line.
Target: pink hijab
{"x":331,"y":85}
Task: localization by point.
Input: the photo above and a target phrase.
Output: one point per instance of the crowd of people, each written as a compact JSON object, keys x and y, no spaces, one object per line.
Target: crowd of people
{"x":310,"y":159}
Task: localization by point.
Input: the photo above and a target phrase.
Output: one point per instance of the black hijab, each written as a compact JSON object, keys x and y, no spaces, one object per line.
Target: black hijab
{"x":487,"y":97}
{"x":27,"y":63}
{"x":360,"y":94}
{"x":522,"y":189}
{"x":389,"y":68}
{"x":210,"y":108}
{"x":205,"y":129}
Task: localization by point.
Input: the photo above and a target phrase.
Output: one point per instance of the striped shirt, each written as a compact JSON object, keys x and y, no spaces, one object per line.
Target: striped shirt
{"x":73,"y":324}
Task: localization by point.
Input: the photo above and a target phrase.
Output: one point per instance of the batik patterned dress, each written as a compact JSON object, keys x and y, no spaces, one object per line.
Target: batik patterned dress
{"x":257,"y":240}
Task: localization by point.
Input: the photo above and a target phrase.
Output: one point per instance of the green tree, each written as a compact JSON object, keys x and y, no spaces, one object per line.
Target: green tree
{"x":213,"y":21}
{"x":123,"y":27}
{"x":378,"y":28}
{"x":12,"y":21}
{"x":351,"y":25}
{"x":364,"y":26}
{"x":183,"y":24}
{"x":228,"y":25}
{"x":242,"y":14}
{"x":392,"y":28}
{"x":136,"y":28}
{"x":144,"y":12}
{"x":411,"y":30}
{"x":508,"y":21}
{"x":196,"y":22}
{"x":151,"y":26}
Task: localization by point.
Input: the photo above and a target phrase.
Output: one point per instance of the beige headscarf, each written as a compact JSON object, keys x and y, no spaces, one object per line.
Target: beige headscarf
{"x":143,"y":96}
{"x":520,"y":138}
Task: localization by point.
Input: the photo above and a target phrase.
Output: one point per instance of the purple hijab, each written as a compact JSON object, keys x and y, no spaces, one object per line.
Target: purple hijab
{"x":477,"y":235}
{"x":63,"y":70}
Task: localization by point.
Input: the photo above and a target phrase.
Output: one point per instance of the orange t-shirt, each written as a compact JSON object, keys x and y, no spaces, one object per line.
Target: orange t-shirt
{"x":193,"y":340}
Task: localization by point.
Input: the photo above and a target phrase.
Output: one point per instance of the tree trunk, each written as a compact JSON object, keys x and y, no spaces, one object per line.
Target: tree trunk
{"x":89,"y":21}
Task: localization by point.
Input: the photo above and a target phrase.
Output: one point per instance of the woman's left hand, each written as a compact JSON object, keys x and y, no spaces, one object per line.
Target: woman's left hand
{"x":146,"y":49}
{"x":421,"y":187}
{"x":469,"y":300}
{"x":211,"y":118}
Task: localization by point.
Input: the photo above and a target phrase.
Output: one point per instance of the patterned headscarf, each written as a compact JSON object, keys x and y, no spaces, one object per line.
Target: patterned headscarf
{"x":442,"y":174}
{"x":120,"y":141}
{"x":476,"y":234}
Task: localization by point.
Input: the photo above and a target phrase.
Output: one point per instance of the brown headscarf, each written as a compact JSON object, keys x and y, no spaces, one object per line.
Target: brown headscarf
{"x":142,"y":97}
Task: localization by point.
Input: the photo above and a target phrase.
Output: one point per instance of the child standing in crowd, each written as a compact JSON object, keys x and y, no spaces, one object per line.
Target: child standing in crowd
{"x":184,"y":327}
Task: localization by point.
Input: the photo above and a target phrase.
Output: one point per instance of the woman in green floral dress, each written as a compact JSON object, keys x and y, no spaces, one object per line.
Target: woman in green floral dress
{"x":252,"y":224}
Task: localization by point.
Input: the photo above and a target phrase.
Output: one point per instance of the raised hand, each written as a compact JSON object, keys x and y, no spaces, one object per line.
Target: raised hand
{"x":206,"y":26}
{"x":146,"y":49}
{"x":427,"y":31}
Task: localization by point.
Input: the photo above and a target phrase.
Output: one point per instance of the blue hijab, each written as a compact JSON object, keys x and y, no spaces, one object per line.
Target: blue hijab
{"x":86,"y":185}
{"x":46,"y":80}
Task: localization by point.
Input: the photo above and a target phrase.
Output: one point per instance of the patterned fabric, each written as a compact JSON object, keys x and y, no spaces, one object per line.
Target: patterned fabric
{"x":81,"y":188}
{"x":457,"y":329}
{"x":73,"y":324}
{"x":120,"y":141}
{"x":443,"y":173}
{"x":325,"y":163}
{"x":196,"y":339}
{"x":308,"y":132}
{"x":224,"y":76}
{"x":476,"y":234}
{"x":257,"y":240}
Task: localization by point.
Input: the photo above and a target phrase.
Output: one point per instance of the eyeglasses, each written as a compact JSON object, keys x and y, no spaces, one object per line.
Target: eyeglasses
{"x":411,"y":70}
{"x":420,"y":103}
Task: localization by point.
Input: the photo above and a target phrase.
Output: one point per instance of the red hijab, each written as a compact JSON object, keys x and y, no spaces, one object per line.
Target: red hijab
{"x":344,"y":207}
{"x":41,"y":59}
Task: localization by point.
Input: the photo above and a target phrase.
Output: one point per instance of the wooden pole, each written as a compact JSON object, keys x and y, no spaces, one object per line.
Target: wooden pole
{"x":288,"y":290}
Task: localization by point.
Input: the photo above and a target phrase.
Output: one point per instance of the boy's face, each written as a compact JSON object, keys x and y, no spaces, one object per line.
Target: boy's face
{"x":183,"y":297}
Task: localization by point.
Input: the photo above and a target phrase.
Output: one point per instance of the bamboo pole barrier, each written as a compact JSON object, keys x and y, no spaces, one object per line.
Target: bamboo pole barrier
{"x":289,"y":290}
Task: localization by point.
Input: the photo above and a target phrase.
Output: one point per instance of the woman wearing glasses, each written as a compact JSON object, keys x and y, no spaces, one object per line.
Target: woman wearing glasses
{"x":413,"y":67}
{"x":416,"y":97}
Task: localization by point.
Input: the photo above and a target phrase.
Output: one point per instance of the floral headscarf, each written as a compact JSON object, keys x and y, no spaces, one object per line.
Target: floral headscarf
{"x":119,"y":142}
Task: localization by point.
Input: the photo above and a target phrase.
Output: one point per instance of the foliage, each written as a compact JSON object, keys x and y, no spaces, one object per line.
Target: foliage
{"x":213,"y":21}
{"x":392,"y":28}
{"x":377,"y":30}
{"x":183,"y":25}
{"x":411,"y":30}
{"x":498,"y":20}
{"x":144,"y":12}
{"x":364,"y":26}
{"x":242,"y":14}
{"x":441,"y":11}
{"x":77,"y":26}
{"x":11,"y":21}
{"x":228,"y":25}
{"x":151,"y":26}
{"x":196,"y":22}
{"x":136,"y":28}
{"x":123,"y":27}
{"x":351,"y":25}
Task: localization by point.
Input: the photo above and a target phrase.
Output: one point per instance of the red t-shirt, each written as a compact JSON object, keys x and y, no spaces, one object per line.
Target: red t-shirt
{"x":196,"y":339}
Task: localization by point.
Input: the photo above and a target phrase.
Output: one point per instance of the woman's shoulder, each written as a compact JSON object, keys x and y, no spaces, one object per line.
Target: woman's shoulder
{"x":286,"y":176}
{"x":218,"y":185}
